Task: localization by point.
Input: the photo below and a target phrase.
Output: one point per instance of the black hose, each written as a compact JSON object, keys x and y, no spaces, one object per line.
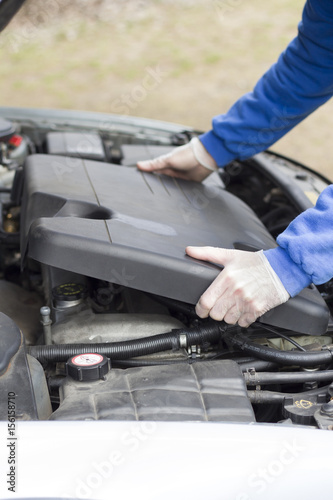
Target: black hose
{"x":288,"y":378}
{"x":292,"y":341}
{"x":277,"y":333}
{"x":55,"y":382}
{"x":263,"y":397}
{"x":297,"y":358}
{"x":131,"y":348}
{"x":242,"y":360}
{"x":259,"y":365}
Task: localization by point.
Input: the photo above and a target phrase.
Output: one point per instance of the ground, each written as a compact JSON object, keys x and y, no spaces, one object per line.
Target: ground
{"x":183,"y":61}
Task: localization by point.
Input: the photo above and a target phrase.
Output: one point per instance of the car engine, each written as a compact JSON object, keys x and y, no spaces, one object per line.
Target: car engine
{"x":97,"y":304}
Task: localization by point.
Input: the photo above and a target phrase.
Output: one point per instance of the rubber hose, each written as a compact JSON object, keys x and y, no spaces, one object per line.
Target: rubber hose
{"x":263,"y":397}
{"x":242,"y":360}
{"x":258,"y":365}
{"x":130,"y":348}
{"x":298,"y":358}
{"x":288,"y":378}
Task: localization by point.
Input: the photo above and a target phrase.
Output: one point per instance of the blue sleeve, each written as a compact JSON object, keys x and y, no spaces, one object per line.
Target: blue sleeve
{"x":305,"y":251}
{"x":300,"y":82}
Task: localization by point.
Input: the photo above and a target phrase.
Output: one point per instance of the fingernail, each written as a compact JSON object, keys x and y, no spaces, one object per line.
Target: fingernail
{"x":190,"y":249}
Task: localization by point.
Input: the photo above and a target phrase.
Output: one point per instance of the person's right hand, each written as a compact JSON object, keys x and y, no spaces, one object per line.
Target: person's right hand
{"x":183,"y":162}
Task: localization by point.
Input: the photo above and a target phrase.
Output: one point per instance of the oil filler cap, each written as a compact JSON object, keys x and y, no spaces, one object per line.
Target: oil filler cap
{"x":87,"y":367}
{"x":69,"y":291}
{"x":69,"y":294}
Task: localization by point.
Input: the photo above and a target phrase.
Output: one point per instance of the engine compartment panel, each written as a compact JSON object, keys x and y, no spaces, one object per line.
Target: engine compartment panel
{"x":95,"y":219}
{"x":213,"y":391}
{"x":92,"y":265}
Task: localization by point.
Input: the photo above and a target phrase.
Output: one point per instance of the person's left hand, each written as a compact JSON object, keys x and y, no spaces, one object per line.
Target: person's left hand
{"x":245,"y":289}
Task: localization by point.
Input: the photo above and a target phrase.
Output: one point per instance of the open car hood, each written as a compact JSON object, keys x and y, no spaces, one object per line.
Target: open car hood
{"x":8,"y":9}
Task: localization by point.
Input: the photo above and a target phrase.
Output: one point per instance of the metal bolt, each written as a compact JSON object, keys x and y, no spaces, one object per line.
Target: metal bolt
{"x":46,"y":322}
{"x":327,"y":409}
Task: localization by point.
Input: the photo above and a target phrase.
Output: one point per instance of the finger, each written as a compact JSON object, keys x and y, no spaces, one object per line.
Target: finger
{"x":211,"y":254}
{"x":176,"y":173}
{"x":232,"y":316}
{"x":246,"y":320}
{"x":213,"y":295}
{"x":152,"y":165}
{"x":196,"y":174}
{"x":170,"y":172}
{"x":221,"y":309}
{"x":202,"y":311}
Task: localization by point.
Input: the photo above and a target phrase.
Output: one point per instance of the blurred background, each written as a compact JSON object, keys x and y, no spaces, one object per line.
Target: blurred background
{"x":182,"y":61}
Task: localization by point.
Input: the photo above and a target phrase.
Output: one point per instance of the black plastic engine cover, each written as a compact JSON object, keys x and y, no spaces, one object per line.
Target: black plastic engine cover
{"x":118,"y":224}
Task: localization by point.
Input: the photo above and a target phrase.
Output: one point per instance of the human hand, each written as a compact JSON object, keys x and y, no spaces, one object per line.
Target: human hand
{"x":191,"y":162}
{"x":245,"y":289}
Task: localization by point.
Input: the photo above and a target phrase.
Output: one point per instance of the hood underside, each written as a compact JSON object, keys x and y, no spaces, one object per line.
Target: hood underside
{"x":8,"y":9}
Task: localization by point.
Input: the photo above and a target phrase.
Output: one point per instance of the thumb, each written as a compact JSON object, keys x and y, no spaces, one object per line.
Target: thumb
{"x":156,"y":164}
{"x":212,"y":254}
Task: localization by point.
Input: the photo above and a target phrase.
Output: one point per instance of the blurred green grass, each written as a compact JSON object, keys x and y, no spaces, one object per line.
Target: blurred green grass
{"x":206,"y":54}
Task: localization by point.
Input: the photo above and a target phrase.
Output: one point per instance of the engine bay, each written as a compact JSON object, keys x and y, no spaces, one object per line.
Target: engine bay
{"x":97,"y":295}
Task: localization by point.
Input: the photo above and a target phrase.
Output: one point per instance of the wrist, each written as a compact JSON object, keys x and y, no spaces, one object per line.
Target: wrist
{"x":202,"y":156}
{"x":279,"y":286}
{"x":292,"y":276}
